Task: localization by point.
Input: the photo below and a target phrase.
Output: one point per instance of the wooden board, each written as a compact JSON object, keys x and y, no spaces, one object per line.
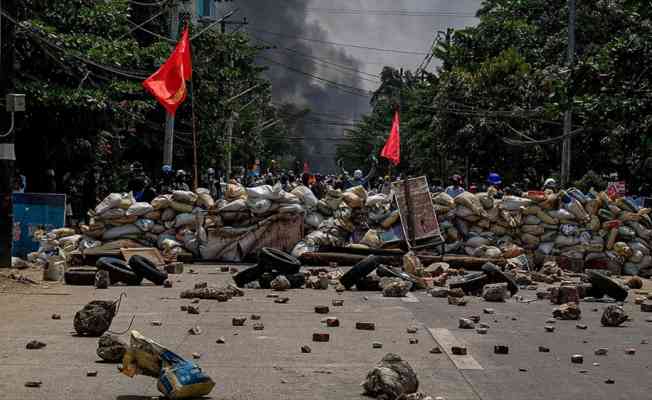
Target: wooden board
{"x":150,"y":253}
{"x":419,"y":208}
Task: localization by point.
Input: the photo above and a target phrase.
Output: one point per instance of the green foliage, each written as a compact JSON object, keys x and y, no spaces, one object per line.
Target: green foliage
{"x":507,"y":79}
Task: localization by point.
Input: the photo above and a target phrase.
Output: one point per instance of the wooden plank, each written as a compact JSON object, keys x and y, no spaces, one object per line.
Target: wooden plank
{"x":414,"y":202}
{"x":446,"y":340}
{"x":150,"y":253}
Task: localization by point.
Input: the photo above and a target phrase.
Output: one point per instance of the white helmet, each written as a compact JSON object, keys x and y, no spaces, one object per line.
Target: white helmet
{"x":357,"y":174}
{"x":549,"y":183}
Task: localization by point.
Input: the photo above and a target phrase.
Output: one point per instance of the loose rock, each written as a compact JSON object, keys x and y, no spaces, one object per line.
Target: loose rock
{"x":435,"y":350}
{"x":365,"y":326}
{"x":255,"y":317}
{"x":196,"y":356}
{"x":111,"y":348}
{"x":613,"y":315}
{"x":238,"y":321}
{"x":280,"y":283}
{"x":581,"y":326}
{"x":258,"y":326}
{"x":33,"y":384}
{"x":412,"y":329}
{"x":577,"y":359}
{"x":102,"y":280}
{"x":549,"y":328}
{"x":321,"y":337}
{"x":495,"y":292}
{"x":282,"y":300}
{"x":568,"y":311}
{"x":482,"y":331}
{"x":646,"y":306}
{"x":332,"y":322}
{"x":91,"y":373}
{"x":193,"y":310}
{"x":630,"y":351}
{"x":439,"y":292}
{"x":456,"y":301}
{"x":195,"y":330}
{"x":395,"y":287}
{"x":413,"y":340}
{"x":458,"y":350}
{"x":465,"y":323}
{"x":634,"y":282}
{"x":602,"y":351}
{"x":306,"y":349}
{"x":501,"y":349}
{"x":95,"y":318}
{"x":391,"y":378}
{"x":35,"y":345}
{"x":543,"y":349}
{"x":220,"y":340}
{"x":489,"y":311}
{"x":167,"y":283}
{"x":56,"y":316}
{"x":321,"y":309}
{"x":338,"y":303}
{"x":377,"y":345}
{"x":156,"y":323}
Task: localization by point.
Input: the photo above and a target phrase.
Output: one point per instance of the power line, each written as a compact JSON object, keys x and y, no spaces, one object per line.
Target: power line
{"x":345,"y":88}
{"x":403,"y":12}
{"x":327,"y":62}
{"x":419,"y":53}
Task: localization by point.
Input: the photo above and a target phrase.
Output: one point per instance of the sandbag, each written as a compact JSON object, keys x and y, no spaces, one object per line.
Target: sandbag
{"x":120,"y":232}
{"x":531,"y":220}
{"x":168,"y":214}
{"x":477,"y":241}
{"x":530,"y":240}
{"x":181,"y":207}
{"x":184,"y":219}
{"x":205,"y":199}
{"x":258,"y":205}
{"x":444,"y":199}
{"x":261,"y":192}
{"x":139,"y":209}
{"x":161,"y":202}
{"x":237,"y":205}
{"x":536,"y":230}
{"x":291,"y":209}
{"x":306,"y":196}
{"x":314,"y":219}
{"x":352,"y":200}
{"x":531,"y":210}
{"x":234,"y":191}
{"x":470,"y":201}
{"x":514,"y":203}
{"x":111,"y":201}
{"x":113,"y":213}
{"x":377,"y":199}
{"x":565,"y":241}
{"x":145,"y":225}
{"x":486,"y":200}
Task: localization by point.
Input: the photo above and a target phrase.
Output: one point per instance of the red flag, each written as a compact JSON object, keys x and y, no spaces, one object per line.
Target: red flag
{"x":392,"y":149}
{"x":168,"y":84}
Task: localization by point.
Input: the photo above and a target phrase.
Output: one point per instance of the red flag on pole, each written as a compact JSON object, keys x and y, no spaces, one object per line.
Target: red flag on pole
{"x":392,"y":149}
{"x":168,"y":84}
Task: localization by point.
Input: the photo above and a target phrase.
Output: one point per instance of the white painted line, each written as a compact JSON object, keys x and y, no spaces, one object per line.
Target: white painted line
{"x":446,"y":340}
{"x":409,"y":298}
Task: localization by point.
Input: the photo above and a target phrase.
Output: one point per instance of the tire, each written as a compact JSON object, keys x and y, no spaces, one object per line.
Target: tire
{"x":297,"y":280}
{"x":359,"y":271}
{"x":278,"y":260}
{"x":601,"y":283}
{"x":118,"y":271}
{"x":145,"y":268}
{"x":248,"y":275}
{"x":368,"y":284}
{"x":471,"y":283}
{"x":80,"y":276}
{"x":496,"y":275}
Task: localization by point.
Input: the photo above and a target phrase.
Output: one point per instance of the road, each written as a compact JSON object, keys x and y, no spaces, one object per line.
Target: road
{"x":268,"y":364}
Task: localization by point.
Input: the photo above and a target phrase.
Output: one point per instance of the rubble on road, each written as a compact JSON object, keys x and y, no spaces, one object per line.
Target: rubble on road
{"x":395,"y":287}
{"x":390,"y":379}
{"x":111,"y":348}
{"x":568,"y":311}
{"x":613,"y":316}
{"x":206,"y":292}
{"x":35,"y":345}
{"x":495,"y":292}
{"x":95,"y":318}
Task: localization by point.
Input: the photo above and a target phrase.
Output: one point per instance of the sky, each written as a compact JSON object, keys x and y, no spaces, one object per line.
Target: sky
{"x":334,"y":79}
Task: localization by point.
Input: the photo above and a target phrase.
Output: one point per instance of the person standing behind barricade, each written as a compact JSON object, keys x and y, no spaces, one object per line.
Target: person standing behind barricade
{"x":455,"y":188}
{"x":137,"y":182}
{"x":167,"y":180}
{"x":550,"y":185}
{"x":495,"y":181}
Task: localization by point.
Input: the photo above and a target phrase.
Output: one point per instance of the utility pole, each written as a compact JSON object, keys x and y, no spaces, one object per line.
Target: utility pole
{"x":568,"y":116}
{"x":7,"y":154}
{"x":168,"y":143}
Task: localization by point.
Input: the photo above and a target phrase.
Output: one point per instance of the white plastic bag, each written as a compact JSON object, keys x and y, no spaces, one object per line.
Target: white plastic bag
{"x":258,"y":205}
{"x":111,"y":201}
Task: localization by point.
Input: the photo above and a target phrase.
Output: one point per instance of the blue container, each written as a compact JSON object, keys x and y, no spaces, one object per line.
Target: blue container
{"x":33,"y":211}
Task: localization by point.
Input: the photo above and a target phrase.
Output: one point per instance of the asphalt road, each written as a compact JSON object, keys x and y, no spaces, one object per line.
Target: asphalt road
{"x":268,"y":364}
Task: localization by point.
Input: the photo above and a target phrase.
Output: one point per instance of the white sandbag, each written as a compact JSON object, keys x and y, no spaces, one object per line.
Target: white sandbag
{"x":139,"y":209}
{"x":476,"y":241}
{"x":111,"y":201}
{"x":260,"y":192}
{"x":121,"y":231}
{"x":287,"y":198}
{"x":258,"y":205}
{"x":531,"y":220}
{"x":514,"y":203}
{"x":444,"y":199}
{"x":486,"y":200}
{"x":161,"y":202}
{"x":463,"y":212}
{"x":470,"y":201}
{"x":112,"y":213}
{"x":185,"y":219}
{"x":237,"y":205}
{"x":184,"y":196}
{"x":314,"y":219}
{"x":376,"y":199}
{"x":145,"y":225}
{"x":205,"y":199}
{"x":168,"y":214}
{"x":306,"y":196}
{"x":545,"y":248}
{"x":291,"y":209}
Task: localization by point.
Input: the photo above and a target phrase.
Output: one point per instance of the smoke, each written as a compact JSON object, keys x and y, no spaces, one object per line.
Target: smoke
{"x":329,"y":21}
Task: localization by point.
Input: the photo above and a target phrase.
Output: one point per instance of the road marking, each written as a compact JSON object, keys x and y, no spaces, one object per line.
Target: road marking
{"x":446,"y":340}
{"x":409,"y":298}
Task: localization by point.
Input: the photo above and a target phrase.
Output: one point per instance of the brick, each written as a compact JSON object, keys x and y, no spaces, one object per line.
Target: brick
{"x":365,"y":326}
{"x":500,"y":349}
{"x":321,"y":337}
{"x":174,"y":268}
{"x":321,"y":309}
{"x":238,"y":321}
{"x":458,"y":350}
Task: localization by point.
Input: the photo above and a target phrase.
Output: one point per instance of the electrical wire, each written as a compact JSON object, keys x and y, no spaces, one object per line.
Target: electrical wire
{"x":152,"y":4}
{"x":419,"y":53}
{"x":344,"y":88}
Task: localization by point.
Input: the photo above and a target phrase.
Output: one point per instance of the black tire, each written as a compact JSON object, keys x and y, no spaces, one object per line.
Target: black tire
{"x":359,"y":271}
{"x":496,"y":275}
{"x":80,"y":276}
{"x":248,"y":275}
{"x":471,"y":283}
{"x":277,"y":260}
{"x":368,"y":284}
{"x":118,"y":271}
{"x":266,"y":279}
{"x":601,"y":283}
{"x":297,"y":280}
{"x":145,"y":268}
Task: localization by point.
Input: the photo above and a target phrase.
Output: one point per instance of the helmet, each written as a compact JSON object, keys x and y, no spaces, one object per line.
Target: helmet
{"x":181,"y":172}
{"x":456,"y":178}
{"x":357,"y":174}
{"x":494,"y":179}
{"x":167,"y":168}
{"x":210,"y":171}
{"x":550,"y":183}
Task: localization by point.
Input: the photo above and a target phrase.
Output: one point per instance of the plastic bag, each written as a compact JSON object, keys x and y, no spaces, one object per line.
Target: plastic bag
{"x":314,"y":220}
{"x":258,"y":205}
{"x":261,"y":192}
